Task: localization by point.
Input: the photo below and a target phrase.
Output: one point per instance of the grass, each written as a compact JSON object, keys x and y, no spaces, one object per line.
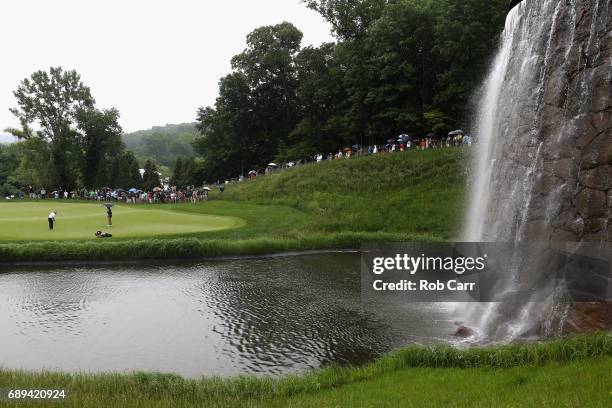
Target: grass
{"x":79,"y":221}
{"x":412,"y":196}
{"x":417,"y":192}
{"x":573,"y":371}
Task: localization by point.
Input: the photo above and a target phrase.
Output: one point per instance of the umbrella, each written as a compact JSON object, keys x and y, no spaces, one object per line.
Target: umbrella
{"x":157,"y":189}
{"x":346,"y":149}
{"x":272,"y":164}
{"x":390,"y":140}
{"x":207,"y":188}
{"x":456,"y":132}
{"x":120,"y":190}
{"x":107,"y":205}
{"x":133,"y":190}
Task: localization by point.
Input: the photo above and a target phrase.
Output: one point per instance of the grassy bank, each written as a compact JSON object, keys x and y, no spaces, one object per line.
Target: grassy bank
{"x":567,"y":372}
{"x":418,"y":192}
{"x":412,"y":196}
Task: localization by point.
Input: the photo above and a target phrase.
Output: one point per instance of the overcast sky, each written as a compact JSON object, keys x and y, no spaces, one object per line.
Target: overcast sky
{"x":156,"y":61}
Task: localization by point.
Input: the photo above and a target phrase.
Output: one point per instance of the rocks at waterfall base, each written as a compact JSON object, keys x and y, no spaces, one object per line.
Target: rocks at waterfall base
{"x":586,"y":317}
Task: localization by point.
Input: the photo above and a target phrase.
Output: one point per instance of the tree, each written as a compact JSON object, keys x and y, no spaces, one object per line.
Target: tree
{"x":101,"y":145}
{"x":257,"y":104}
{"x":397,"y":66}
{"x":9,"y":161}
{"x":350,"y":19}
{"x":36,"y":167}
{"x":400,"y":71}
{"x":53,"y":99}
{"x":127,"y":170}
{"x":178,"y":174}
{"x":150,"y":178}
{"x":320,"y":95}
{"x":466,"y":33}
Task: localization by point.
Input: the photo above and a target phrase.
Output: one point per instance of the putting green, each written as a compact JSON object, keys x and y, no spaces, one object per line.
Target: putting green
{"x":28,"y":221}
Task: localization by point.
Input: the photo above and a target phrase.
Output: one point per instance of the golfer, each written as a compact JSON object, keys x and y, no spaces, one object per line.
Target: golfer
{"x":52,"y":215}
{"x":109,"y":215}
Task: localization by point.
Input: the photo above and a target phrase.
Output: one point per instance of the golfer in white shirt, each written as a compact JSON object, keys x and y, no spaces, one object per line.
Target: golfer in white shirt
{"x":52,"y":215}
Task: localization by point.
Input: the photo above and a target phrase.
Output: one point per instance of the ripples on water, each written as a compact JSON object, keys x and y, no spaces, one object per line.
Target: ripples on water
{"x":267,"y":316}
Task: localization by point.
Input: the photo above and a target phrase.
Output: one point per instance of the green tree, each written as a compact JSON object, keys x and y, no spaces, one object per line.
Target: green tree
{"x":350,"y":19}
{"x":178,"y":175}
{"x":150,"y":178}
{"x":128,"y":172}
{"x":257,"y":104}
{"x":53,"y":99}
{"x":101,"y":144}
{"x":9,"y":162}
{"x":36,"y":167}
{"x":466,"y":33}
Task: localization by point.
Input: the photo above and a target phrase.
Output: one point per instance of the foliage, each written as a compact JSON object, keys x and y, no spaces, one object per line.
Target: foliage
{"x":150,"y":177}
{"x":9,"y":161}
{"x":101,"y":146}
{"x":53,"y":99}
{"x":350,"y":19}
{"x":77,"y":145}
{"x":36,"y":164}
{"x":163,"y":144}
{"x":257,"y":104}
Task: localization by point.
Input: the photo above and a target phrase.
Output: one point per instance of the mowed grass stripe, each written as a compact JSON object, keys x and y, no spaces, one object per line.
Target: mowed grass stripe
{"x":20,"y":221}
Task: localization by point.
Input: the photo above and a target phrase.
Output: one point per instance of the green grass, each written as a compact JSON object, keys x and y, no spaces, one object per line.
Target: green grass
{"x":412,"y":196}
{"x":417,"y":192}
{"x":579,"y":384}
{"x":78,"y":221}
{"x":574,"y":371}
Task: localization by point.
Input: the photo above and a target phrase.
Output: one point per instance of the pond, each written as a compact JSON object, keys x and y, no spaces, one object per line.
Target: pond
{"x":264,"y":316}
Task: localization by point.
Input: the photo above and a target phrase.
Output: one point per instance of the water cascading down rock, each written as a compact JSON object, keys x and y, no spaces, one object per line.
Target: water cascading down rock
{"x":543,"y":165}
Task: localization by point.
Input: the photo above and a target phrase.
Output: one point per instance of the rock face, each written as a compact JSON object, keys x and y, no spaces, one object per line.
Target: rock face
{"x":550,"y":131}
{"x":543,"y":168}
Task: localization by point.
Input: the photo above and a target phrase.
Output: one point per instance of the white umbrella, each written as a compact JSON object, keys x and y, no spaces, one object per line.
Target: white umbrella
{"x":207,"y":188}
{"x":272,"y":164}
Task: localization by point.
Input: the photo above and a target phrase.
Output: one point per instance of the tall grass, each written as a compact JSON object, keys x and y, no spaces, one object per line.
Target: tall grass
{"x":174,"y":388}
{"x":190,"y":247}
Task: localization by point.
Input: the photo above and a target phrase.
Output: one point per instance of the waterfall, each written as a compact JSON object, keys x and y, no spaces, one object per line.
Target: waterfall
{"x":541,"y":168}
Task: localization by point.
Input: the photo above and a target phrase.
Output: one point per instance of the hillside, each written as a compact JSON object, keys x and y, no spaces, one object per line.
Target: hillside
{"x":163,"y":143}
{"x":413,"y":192}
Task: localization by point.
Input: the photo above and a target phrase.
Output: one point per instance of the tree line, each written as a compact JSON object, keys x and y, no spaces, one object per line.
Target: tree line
{"x":77,"y":144}
{"x":397,"y":66}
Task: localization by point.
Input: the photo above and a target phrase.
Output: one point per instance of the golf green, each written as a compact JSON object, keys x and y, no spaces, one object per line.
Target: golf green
{"x":28,"y":221}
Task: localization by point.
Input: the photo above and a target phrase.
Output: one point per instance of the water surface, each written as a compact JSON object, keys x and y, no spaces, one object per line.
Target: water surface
{"x":265,"y":316}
